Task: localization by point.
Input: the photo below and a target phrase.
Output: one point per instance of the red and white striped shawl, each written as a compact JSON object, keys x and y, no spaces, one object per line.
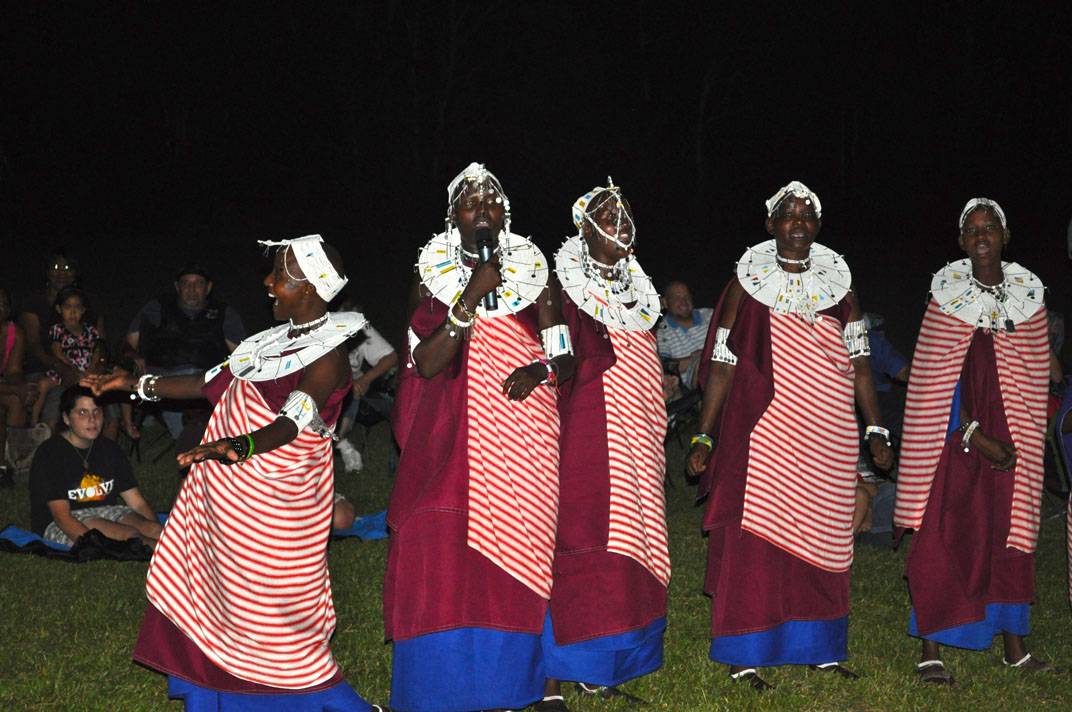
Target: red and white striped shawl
{"x":241,"y":567}
{"x":1023,"y":375}
{"x":802,"y":453}
{"x":513,"y":457}
{"x":636,"y":426}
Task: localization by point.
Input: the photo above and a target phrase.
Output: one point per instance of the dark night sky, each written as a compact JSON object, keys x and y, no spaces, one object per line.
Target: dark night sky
{"x":139,"y":134}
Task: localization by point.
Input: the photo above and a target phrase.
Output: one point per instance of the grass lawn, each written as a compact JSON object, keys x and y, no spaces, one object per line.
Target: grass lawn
{"x":67,"y":629}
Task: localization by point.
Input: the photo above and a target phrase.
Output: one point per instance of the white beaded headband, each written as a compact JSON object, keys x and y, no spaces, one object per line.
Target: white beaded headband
{"x":314,"y":262}
{"x":583,"y":211}
{"x":485,"y":182}
{"x":975,"y":203}
{"x":798,"y":190}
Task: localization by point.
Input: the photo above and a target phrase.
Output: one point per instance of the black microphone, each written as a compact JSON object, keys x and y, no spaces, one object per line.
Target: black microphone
{"x":483,"y":248}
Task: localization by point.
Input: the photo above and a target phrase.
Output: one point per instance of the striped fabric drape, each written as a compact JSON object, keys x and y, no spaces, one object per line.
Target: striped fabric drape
{"x":636,"y":426}
{"x":513,"y":457}
{"x":1023,"y":374}
{"x":799,"y":494}
{"x":242,"y":565}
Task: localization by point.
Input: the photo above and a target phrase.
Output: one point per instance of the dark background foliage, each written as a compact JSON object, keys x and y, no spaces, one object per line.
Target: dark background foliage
{"x":141,"y":134}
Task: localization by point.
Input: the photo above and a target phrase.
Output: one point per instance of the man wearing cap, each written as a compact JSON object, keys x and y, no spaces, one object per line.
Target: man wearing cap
{"x":187,"y":332}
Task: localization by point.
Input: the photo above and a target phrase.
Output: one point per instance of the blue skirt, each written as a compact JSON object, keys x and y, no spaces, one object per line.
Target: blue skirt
{"x":791,"y":643}
{"x":610,"y":660}
{"x":340,"y":698}
{"x":467,"y":669}
{"x":1012,"y":618}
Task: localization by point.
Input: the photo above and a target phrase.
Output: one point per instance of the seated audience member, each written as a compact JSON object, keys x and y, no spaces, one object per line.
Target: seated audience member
{"x":681,"y":334}
{"x":343,"y":514}
{"x":872,"y":519}
{"x":80,"y":481}
{"x":73,"y":341}
{"x":36,"y":316}
{"x":189,"y":331}
{"x":16,"y":395}
{"x":370,"y":388}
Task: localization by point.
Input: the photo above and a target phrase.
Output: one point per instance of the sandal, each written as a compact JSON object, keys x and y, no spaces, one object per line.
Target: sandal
{"x":837,"y":669}
{"x":750,"y":675}
{"x":1030,"y":664}
{"x":608,"y":693}
{"x":934,"y":672}
{"x":551,"y":703}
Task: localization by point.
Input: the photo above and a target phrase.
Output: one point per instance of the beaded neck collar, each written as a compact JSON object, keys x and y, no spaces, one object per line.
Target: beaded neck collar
{"x":822,"y":285}
{"x":629,"y":302}
{"x":999,"y":307}
{"x":442,"y":267}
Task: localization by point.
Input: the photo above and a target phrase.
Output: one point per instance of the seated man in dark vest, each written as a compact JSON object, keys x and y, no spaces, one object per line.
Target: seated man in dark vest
{"x":186,"y":332}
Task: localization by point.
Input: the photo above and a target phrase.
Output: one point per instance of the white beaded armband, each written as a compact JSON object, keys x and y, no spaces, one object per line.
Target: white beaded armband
{"x":722,"y":351}
{"x":856,"y":339}
{"x":556,"y":341}
{"x":301,"y":408}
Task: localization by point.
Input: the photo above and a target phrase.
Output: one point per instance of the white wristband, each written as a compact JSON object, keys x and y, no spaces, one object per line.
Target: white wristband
{"x":884,"y":432}
{"x":146,"y":388}
{"x":968,"y":431}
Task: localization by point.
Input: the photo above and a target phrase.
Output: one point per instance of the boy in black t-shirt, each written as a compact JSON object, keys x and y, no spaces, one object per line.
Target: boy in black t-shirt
{"x":80,"y":481}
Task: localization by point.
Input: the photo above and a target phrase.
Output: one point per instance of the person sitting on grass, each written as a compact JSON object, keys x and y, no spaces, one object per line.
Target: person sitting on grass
{"x":371,"y":390}
{"x":972,"y":455}
{"x":16,"y":395}
{"x":73,"y":341}
{"x":81,"y":481}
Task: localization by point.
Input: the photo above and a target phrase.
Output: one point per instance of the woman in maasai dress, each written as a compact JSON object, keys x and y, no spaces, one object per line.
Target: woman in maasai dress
{"x":778,"y":448}
{"x":240,"y":611}
{"x":473,"y":510}
{"x":612,"y":565}
{"x":971,"y":459}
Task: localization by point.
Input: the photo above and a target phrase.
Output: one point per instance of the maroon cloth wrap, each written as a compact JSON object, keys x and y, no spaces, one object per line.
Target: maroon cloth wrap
{"x":434,"y":580}
{"x":596,"y":592}
{"x":754,"y":585}
{"x":164,"y":648}
{"x":958,"y":561}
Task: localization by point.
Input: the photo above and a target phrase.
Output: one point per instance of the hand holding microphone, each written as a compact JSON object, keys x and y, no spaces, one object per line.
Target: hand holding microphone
{"x":485,"y":248}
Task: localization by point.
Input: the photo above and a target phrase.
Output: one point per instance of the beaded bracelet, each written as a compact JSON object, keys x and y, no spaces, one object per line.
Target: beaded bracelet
{"x":469,"y":313}
{"x":458,"y":322}
{"x":146,"y":388}
{"x":878,"y":430}
{"x":241,"y":448}
{"x":969,"y":430}
{"x":552,"y":373}
{"x":703,"y":438}
{"x":453,"y":324}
